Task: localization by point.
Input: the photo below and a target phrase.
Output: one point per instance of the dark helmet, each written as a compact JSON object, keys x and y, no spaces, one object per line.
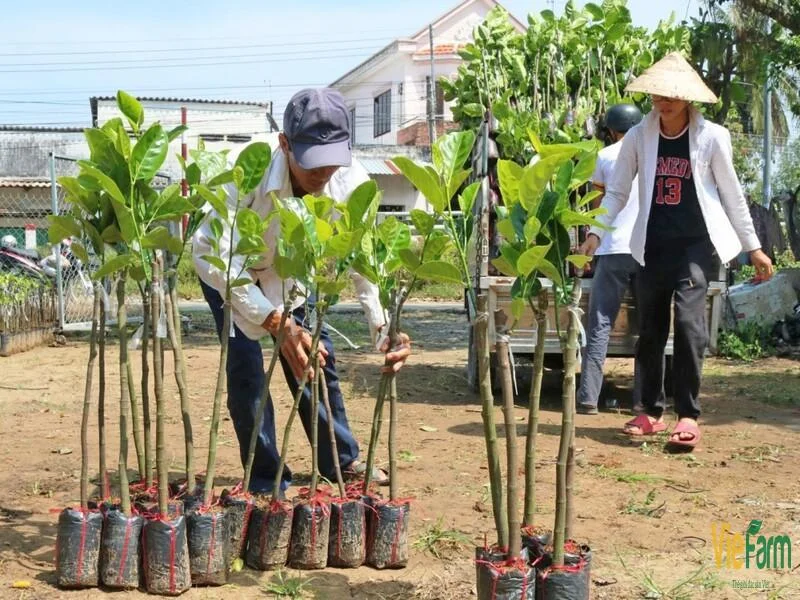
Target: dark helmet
{"x":621,"y":117}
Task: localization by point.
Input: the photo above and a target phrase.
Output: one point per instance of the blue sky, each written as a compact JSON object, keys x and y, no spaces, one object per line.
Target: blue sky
{"x":54,"y":55}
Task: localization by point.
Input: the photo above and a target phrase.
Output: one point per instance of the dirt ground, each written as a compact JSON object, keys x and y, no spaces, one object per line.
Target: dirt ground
{"x":647,"y":515}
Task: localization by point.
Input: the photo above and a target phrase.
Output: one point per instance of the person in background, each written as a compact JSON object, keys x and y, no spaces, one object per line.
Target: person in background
{"x":692,"y":214}
{"x":314,"y":158}
{"x":614,"y":267}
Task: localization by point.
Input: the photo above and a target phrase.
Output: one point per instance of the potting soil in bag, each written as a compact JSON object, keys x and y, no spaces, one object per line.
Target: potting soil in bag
{"x":119,"y":550}
{"x":268,"y":535}
{"x":310,"y":532}
{"x":347,"y":543}
{"x":387,"y":543}
{"x":238,"y":510}
{"x":207,"y":533}
{"x":78,"y":548}
{"x":166,"y":557}
{"x":508,"y":580}
{"x":485,"y":558}
{"x":536,"y":539}
{"x":192,"y":501}
{"x":570,"y":582}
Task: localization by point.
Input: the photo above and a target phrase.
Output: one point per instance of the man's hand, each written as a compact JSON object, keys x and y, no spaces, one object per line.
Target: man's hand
{"x":762,"y":264}
{"x":589,"y":245}
{"x":295,"y":346}
{"x":398,"y":355}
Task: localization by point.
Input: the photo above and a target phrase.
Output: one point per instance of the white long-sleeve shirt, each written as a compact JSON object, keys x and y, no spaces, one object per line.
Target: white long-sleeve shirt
{"x":719,"y":193}
{"x":253,"y":302}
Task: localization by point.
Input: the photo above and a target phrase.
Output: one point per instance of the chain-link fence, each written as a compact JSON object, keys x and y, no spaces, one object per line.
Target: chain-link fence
{"x":25,"y":203}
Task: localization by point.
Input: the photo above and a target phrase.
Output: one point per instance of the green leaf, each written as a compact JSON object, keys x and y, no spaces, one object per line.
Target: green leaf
{"x":210,"y":164}
{"x":517,"y":308}
{"x":423,"y":180}
{"x":530,"y":260}
{"x":551,"y":272}
{"x":564,"y":177}
{"x":173,"y":134}
{"x":511,"y":255}
{"x":240,"y":281}
{"x":342,"y":244}
{"x":160,"y":238}
{"x":441,"y":271}
{"x":509,"y":175}
{"x":101,"y":146}
{"x":536,"y":179}
{"x":170,"y":205}
{"x":118,"y":263}
{"x":584,"y":169}
{"x":466,"y":199}
{"x":253,"y":160}
{"x":579,"y":260}
{"x":250,"y":245}
{"x":104,"y":181}
{"x":248,"y":222}
{"x":472,"y":109}
{"x":217,"y":201}
{"x":507,"y":230}
{"x":423,"y":222}
{"x":215,"y":261}
{"x":547,"y":207}
{"x":410,"y":260}
{"x":94,"y":237}
{"x":149,"y":153}
{"x":571,"y":218}
{"x":594,"y":10}
{"x":131,"y":108}
{"x":505,"y":267}
{"x":324,"y":230}
{"x":437,"y":243}
{"x":360,"y":201}
{"x":362,"y":267}
{"x":221,"y":179}
{"x":127,"y":226}
{"x":532,"y":228}
{"x":62,"y":227}
{"x":193,"y":175}
{"x":78,"y":250}
{"x":394,"y":235}
{"x":238,"y":177}
{"x":111,"y":235}
{"x":589,"y":197}
{"x":450,"y":153}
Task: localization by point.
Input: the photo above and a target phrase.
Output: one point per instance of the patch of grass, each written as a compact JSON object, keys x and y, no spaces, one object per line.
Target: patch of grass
{"x":748,"y":341}
{"x":647,"y":507}
{"x":283,"y":586}
{"x":441,"y":542}
{"x":624,"y":476}
{"x":759,"y":454}
{"x":407,"y":456}
{"x":188,"y":283}
{"x":684,"y":589}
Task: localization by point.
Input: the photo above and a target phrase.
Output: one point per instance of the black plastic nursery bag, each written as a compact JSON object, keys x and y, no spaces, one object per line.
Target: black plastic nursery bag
{"x":310,"y":534}
{"x":238,"y":510}
{"x":166,"y":557}
{"x":120,"y":550}
{"x":78,"y":548}
{"x":570,"y":582}
{"x":347,"y":542}
{"x":502,"y":581}
{"x":208,"y":547}
{"x":268,"y":536}
{"x":387,"y":542}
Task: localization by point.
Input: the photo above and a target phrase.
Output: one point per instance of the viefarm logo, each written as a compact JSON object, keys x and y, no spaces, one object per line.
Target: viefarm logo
{"x":737,"y":551}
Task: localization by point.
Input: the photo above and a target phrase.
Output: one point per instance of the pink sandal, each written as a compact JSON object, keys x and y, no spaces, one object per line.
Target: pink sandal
{"x":644,"y":425}
{"x":676,"y":443}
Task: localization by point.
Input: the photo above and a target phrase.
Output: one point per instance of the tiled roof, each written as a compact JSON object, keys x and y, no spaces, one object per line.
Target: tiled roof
{"x":40,"y":129}
{"x":439,"y":50}
{"x":24,"y":182}
{"x":185,"y":100}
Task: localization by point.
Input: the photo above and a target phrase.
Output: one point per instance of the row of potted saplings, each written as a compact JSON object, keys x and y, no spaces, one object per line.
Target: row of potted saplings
{"x":170,"y":542}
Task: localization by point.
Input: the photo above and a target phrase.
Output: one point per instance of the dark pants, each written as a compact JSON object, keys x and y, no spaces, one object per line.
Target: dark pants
{"x":680,"y":270}
{"x":246,"y":379}
{"x":612,"y":278}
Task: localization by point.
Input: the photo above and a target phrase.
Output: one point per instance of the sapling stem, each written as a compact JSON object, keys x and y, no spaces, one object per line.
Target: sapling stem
{"x":124,"y":406}
{"x":533,"y":409}
{"x":161,"y":434}
{"x":87,"y":399}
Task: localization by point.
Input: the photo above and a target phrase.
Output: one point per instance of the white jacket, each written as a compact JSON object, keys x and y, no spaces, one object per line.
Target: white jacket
{"x":252,"y":303}
{"x":719,"y":193}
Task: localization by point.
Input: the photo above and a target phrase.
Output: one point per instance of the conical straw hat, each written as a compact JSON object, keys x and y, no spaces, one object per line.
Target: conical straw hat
{"x":673,"y":77}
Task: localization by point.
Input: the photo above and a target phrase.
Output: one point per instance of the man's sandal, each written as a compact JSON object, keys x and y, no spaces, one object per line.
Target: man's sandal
{"x":678,"y":444}
{"x":356,"y":470}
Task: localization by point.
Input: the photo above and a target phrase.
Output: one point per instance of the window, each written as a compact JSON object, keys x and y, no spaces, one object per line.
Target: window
{"x":238,"y":138}
{"x":382,"y":114}
{"x":353,"y":126}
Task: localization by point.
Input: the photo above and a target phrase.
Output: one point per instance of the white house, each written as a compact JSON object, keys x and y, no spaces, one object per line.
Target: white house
{"x":221,"y":124}
{"x":388,"y":95}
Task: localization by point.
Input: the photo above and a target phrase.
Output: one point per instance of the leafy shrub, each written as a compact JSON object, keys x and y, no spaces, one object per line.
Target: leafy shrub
{"x":747,"y":341}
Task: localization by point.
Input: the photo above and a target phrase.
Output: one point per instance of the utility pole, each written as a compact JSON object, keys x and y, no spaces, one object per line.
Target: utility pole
{"x":767,"y":155}
{"x":431,"y":94}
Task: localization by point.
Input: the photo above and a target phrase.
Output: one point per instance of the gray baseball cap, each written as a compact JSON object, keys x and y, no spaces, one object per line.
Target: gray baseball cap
{"x":317,"y":124}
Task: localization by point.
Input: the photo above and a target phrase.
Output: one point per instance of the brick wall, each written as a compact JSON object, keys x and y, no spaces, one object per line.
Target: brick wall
{"x":417,"y":134}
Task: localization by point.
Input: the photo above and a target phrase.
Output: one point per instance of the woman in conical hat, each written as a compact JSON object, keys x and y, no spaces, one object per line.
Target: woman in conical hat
{"x":692,"y":215}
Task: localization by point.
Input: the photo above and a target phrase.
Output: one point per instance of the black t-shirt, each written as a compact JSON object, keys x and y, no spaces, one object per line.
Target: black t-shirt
{"x":675,"y":215}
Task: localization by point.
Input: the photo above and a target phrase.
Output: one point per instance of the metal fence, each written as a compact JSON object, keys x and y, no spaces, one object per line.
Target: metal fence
{"x":25,"y":203}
